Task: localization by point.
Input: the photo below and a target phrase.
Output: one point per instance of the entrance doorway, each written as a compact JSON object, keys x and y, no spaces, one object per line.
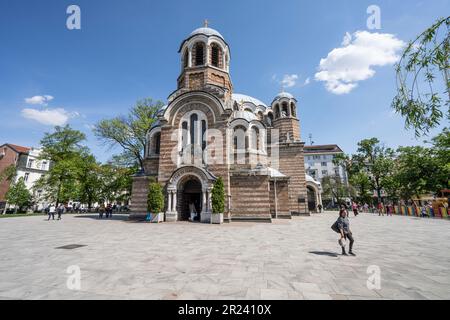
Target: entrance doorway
{"x":312,"y":204}
{"x":190,"y":192}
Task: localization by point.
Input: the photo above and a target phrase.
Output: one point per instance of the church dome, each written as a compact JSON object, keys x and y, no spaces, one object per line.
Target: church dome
{"x":246,"y":115}
{"x":282,"y":95}
{"x":207,"y":32}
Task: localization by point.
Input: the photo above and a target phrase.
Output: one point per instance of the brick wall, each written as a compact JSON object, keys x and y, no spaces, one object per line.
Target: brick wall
{"x":250,"y":197}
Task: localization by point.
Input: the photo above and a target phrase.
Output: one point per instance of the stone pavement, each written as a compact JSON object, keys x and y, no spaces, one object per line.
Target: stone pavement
{"x":289,"y":259}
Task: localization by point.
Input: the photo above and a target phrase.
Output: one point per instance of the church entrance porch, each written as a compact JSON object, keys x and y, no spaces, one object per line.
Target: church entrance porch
{"x":190,"y":199}
{"x":189,"y":190}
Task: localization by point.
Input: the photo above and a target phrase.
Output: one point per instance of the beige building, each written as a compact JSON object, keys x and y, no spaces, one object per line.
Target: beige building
{"x":208,"y":131}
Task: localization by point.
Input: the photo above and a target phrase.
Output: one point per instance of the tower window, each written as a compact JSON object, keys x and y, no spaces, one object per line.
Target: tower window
{"x":199,"y":54}
{"x":186,"y":59}
{"x":215,"y":55}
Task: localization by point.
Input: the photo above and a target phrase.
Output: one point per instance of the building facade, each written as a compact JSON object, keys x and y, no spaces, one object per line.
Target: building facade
{"x":319,"y":162}
{"x":28,"y":166}
{"x":208,"y":131}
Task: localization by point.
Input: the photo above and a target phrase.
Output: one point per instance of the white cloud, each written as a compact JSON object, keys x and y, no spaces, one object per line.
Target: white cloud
{"x":289,"y":80}
{"x":40,"y":100}
{"x":307,"y":81}
{"x":344,"y":67}
{"x":51,"y":117}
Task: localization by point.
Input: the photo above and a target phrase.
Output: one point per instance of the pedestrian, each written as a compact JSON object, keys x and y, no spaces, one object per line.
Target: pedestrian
{"x":343,"y":207}
{"x":380,"y":209}
{"x":101,"y":211}
{"x":342,"y":226}
{"x":51,"y":212}
{"x":355,"y":208}
{"x":60,"y":211}
{"x":319,"y":208}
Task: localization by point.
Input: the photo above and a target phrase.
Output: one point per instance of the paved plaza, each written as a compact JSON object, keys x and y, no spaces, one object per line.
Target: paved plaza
{"x":288,"y":259}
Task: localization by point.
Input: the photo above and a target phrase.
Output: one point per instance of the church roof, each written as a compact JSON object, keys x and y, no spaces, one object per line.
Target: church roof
{"x":242,"y":97}
{"x":207,"y":32}
{"x":284,"y":95}
{"x":246,"y":115}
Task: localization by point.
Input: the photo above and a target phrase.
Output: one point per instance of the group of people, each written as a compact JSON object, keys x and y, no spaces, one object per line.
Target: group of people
{"x":107,"y":211}
{"x":54,"y":209}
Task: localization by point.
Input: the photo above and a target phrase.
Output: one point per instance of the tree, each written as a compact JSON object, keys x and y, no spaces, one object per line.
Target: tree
{"x":88,"y":181}
{"x":376,"y":161}
{"x":360,"y":181}
{"x":115,"y":182}
{"x":155,"y":199}
{"x":129,"y":132}
{"x":218,"y":196}
{"x":334,"y":188}
{"x":425,"y":59}
{"x":8,"y":174}
{"x":63,"y":148}
{"x":18,"y":195}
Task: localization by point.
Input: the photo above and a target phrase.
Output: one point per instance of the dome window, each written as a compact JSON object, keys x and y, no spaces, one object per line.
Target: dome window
{"x":199,"y":54}
{"x":215,"y":55}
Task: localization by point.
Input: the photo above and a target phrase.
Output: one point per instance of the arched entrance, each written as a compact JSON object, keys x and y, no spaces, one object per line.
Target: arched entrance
{"x":312,"y":203}
{"x":189,"y":185}
{"x":189,"y":193}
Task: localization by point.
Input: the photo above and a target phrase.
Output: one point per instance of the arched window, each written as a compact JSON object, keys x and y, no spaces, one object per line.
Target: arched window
{"x":215,"y":55}
{"x":240,"y":143}
{"x":203,"y":135}
{"x":277,"y":111}
{"x":184,"y":135}
{"x":193,"y":128}
{"x":199,"y":54}
{"x":186,"y":59}
{"x":293,"y":110}
{"x":255,"y":139}
{"x":157,"y":143}
{"x":270,"y":119}
{"x":284,"y":110}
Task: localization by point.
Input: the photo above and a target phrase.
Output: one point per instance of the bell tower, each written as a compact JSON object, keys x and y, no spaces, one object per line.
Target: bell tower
{"x":205,"y":63}
{"x":284,"y":108}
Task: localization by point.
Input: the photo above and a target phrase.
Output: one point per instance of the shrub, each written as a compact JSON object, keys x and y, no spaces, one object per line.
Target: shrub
{"x":155,"y":198}
{"x":218,"y":197}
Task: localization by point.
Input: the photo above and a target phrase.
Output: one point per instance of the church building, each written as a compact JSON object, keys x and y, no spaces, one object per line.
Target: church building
{"x":208,"y":131}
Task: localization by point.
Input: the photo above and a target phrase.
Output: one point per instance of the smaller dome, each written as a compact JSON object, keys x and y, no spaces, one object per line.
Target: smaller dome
{"x":246,"y":115}
{"x":284,"y":95}
{"x":206,"y":31}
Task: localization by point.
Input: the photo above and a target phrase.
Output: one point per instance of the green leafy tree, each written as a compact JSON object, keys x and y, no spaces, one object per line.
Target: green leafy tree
{"x":376,"y":161}
{"x":419,"y":97}
{"x":18,"y":195}
{"x":334,"y":188}
{"x":88,"y":181}
{"x":218,"y":196}
{"x":155,"y":199}
{"x":129,"y":132}
{"x":8,"y":174}
{"x":360,"y":181}
{"x":63,"y":148}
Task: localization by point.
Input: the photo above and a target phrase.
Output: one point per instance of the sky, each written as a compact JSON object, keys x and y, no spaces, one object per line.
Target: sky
{"x":325,"y":53}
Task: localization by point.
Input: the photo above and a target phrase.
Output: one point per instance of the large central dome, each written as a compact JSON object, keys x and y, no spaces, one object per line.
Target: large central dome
{"x":207,"y":32}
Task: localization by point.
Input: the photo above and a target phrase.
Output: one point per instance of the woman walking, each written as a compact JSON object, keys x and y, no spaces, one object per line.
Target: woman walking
{"x":343,"y":225}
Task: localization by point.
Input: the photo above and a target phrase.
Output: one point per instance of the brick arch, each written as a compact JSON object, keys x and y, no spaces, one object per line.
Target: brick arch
{"x":198,"y":100}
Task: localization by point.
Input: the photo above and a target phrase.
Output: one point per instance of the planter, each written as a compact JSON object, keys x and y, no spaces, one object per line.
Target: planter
{"x":217,"y":218}
{"x":205,"y":217}
{"x":155,"y":218}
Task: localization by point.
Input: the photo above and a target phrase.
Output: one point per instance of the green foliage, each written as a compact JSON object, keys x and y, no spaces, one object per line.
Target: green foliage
{"x":18,"y":195}
{"x":9,"y":173}
{"x":334,"y":188}
{"x":129,"y":132}
{"x":63,"y":148}
{"x":155,"y":199}
{"x":418,"y":99}
{"x":218,"y":197}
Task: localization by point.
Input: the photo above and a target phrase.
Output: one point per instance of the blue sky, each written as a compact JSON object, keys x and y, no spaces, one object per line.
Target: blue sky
{"x":127,"y":50}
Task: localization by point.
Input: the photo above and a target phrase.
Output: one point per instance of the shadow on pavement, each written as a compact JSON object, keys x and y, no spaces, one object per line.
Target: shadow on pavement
{"x":116,"y":217}
{"x":324,"y":253}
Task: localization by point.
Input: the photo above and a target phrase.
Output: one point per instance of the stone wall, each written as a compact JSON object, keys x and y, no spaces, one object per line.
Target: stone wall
{"x":250,"y":197}
{"x":282,"y":199}
{"x":139,"y":194}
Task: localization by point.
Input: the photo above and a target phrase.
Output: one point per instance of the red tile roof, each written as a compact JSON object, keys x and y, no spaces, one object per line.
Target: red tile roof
{"x":18,"y":149}
{"x":328,"y":148}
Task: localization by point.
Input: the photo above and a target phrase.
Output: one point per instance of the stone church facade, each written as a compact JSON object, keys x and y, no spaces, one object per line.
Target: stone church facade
{"x":207,"y":131}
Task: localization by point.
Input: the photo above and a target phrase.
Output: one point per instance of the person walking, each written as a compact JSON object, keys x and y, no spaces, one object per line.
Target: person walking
{"x":61,"y":209}
{"x":343,"y":207}
{"x":343,"y":225}
{"x":380,"y":209}
{"x":101,"y":211}
{"x":355,"y":208}
{"x":51,"y":212}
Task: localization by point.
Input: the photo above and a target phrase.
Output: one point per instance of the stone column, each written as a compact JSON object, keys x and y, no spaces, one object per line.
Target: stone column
{"x":171,"y":214}
{"x":204,"y":202}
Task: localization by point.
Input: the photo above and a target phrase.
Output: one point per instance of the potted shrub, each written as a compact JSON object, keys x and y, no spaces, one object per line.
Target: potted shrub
{"x":218,"y":202}
{"x":155,"y":203}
